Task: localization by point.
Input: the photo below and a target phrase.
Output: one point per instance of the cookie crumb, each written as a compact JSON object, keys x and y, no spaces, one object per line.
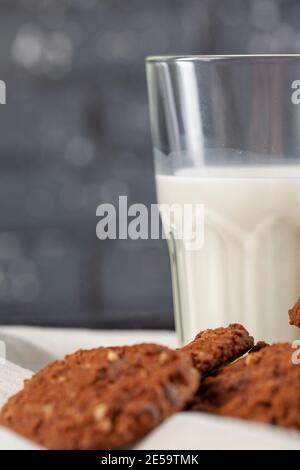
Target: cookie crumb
{"x":105,"y":425}
{"x":100,"y":412}
{"x":48,"y":410}
{"x":112,"y":356}
{"x":163,"y":358}
{"x":251,"y":359}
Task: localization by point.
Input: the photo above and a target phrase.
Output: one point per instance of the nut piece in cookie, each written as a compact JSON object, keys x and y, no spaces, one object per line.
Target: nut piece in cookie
{"x":214,"y":348}
{"x":104,"y":398}
{"x":294,"y":314}
{"x":263,"y":386}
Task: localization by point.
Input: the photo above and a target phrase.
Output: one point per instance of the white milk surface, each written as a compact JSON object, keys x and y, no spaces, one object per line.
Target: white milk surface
{"x":248,"y":269}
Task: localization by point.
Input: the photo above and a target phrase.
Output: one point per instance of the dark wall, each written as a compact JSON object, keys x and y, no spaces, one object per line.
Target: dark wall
{"x":75,"y":133}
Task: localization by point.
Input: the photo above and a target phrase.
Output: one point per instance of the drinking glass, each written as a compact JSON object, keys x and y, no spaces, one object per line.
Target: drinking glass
{"x":226,"y":137}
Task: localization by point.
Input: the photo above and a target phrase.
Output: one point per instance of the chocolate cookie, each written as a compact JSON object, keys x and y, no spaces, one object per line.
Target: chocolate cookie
{"x":104,"y":398}
{"x":294,"y":314}
{"x":214,"y":348}
{"x":263,"y":386}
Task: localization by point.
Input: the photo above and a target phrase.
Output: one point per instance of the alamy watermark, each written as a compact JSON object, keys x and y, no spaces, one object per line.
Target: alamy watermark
{"x":295,"y":96}
{"x":2,"y":92}
{"x":136,"y":221}
{"x":296,"y":353}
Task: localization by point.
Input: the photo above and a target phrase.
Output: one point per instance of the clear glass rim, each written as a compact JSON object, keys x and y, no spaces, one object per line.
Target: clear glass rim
{"x":208,"y":58}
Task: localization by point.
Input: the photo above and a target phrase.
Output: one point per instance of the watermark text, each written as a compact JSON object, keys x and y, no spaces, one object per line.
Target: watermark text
{"x":136,"y":221}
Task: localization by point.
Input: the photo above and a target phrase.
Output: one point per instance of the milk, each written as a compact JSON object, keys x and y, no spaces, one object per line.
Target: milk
{"x":248,"y":269}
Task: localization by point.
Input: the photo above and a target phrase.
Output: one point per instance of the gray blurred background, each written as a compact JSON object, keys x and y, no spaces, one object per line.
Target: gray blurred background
{"x":75,"y":133}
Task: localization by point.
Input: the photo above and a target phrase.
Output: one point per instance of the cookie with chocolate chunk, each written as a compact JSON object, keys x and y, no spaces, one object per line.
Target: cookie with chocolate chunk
{"x":294,"y":314}
{"x":214,"y":348}
{"x":103,"y":398}
{"x":263,"y":386}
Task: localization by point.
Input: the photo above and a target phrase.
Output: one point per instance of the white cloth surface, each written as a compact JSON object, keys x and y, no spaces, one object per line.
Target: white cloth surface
{"x":30,"y":348}
{"x":11,"y":379}
{"x":34,"y":347}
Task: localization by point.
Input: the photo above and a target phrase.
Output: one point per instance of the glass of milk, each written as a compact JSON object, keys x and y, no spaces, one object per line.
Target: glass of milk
{"x":226,"y":137}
